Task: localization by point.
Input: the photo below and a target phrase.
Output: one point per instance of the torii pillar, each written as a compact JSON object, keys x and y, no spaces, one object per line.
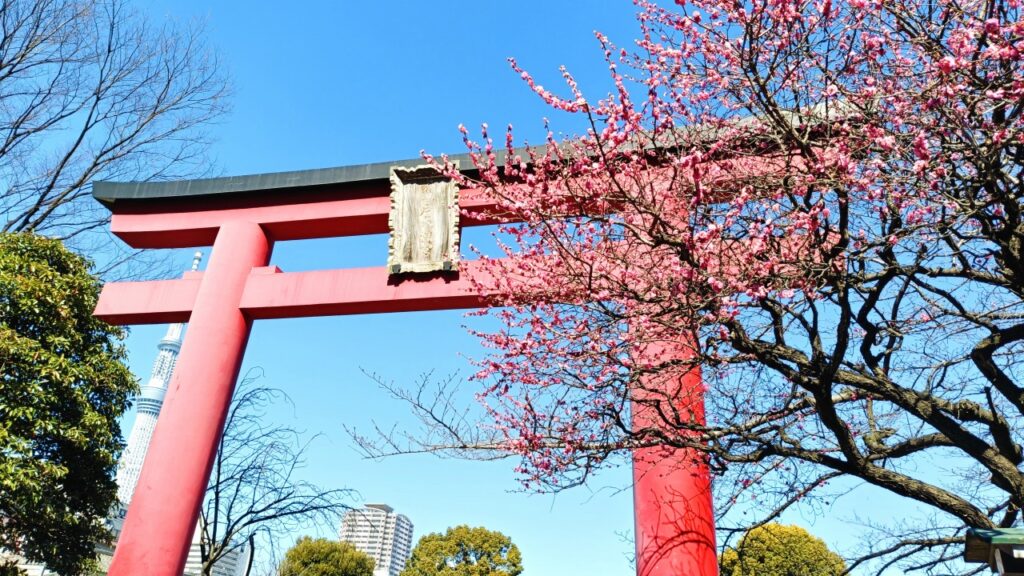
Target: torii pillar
{"x":241,"y":218}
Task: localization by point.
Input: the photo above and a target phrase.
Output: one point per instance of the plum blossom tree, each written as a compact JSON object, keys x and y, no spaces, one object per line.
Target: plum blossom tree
{"x":822,"y":201}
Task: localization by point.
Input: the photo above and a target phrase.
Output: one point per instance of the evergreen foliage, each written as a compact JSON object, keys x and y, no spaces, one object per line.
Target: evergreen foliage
{"x":464,"y":551}
{"x":322,"y":557}
{"x":63,"y":387}
{"x":779,"y":550}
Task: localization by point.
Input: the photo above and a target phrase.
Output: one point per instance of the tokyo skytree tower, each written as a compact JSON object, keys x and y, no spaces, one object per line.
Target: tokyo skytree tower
{"x":148,"y":403}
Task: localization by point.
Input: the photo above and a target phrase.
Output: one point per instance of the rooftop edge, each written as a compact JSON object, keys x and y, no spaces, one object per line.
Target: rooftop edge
{"x":108,"y":192}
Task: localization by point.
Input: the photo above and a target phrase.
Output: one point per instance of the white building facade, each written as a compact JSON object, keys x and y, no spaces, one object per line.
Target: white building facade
{"x":233,"y":563}
{"x":382,"y":534}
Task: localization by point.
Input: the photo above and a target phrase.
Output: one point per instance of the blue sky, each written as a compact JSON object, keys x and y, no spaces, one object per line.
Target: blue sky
{"x":320,"y":84}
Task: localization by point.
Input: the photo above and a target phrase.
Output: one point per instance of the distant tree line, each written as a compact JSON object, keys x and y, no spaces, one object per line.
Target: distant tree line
{"x":460,"y":551}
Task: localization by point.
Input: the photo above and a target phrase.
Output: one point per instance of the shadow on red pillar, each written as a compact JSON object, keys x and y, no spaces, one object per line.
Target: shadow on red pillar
{"x":674,"y":515}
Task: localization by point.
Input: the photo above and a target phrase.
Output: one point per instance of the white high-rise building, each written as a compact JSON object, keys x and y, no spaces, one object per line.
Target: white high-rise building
{"x":382,"y":534}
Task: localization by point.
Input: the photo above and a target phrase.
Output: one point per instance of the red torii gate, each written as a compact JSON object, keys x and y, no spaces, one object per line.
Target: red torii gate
{"x":242,"y":217}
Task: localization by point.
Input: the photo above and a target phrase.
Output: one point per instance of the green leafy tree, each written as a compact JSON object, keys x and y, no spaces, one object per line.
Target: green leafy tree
{"x":464,"y":551}
{"x":778,"y":550}
{"x":322,"y":557}
{"x":63,"y":386}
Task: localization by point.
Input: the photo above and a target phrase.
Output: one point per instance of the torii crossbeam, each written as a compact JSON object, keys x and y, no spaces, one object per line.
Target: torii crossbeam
{"x":242,"y":217}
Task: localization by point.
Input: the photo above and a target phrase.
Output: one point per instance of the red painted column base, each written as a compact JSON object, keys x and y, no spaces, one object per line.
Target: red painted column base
{"x":673,"y":506}
{"x":674,"y":520}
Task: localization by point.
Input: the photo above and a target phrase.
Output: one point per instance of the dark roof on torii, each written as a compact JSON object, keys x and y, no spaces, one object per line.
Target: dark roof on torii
{"x":377,"y":173}
{"x":360,"y":174}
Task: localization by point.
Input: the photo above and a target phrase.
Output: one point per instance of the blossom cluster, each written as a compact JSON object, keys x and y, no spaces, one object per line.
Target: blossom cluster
{"x":748,"y":158}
